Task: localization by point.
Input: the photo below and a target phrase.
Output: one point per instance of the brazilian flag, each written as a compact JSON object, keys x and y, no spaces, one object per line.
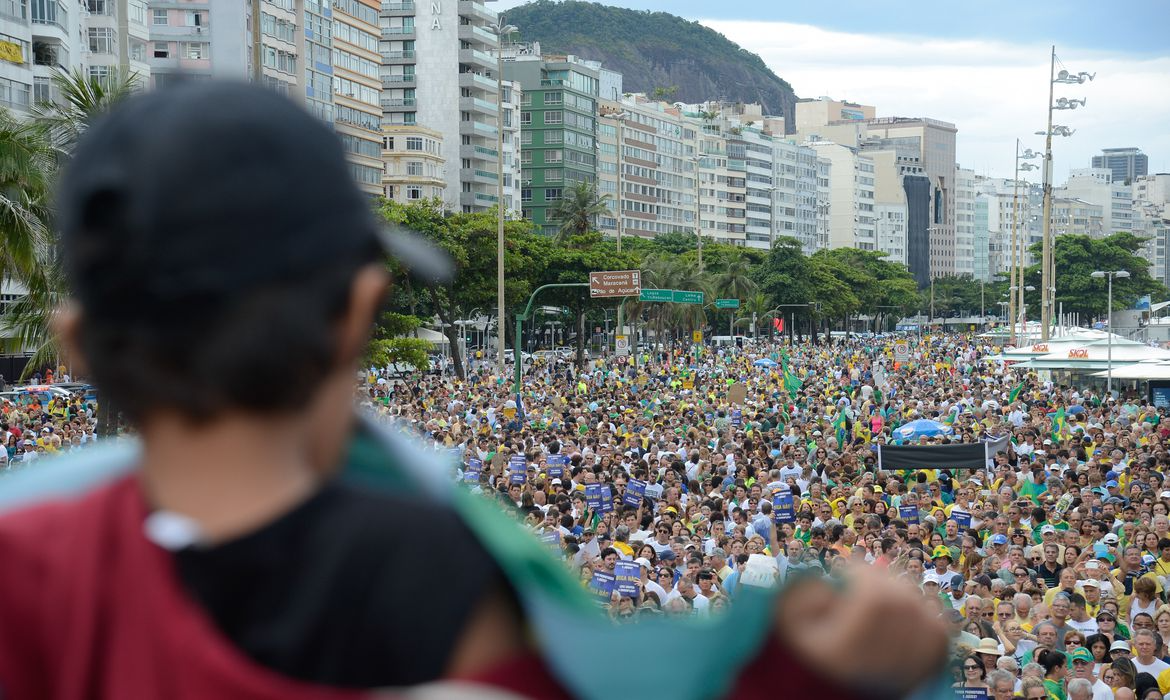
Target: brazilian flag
{"x":1015,"y":394}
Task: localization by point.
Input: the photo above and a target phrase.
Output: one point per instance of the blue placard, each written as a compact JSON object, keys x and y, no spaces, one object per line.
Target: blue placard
{"x":737,"y":417}
{"x":474,"y":468}
{"x":593,"y":497}
{"x":909,"y":514}
{"x":606,"y":499}
{"x":972,"y":693}
{"x":963,"y":520}
{"x":628,"y":578}
{"x":555,"y":466}
{"x":635,"y":492}
{"x":783,"y":508}
{"x":602,"y":584}
{"x":517,"y":470}
{"x":553,"y":539}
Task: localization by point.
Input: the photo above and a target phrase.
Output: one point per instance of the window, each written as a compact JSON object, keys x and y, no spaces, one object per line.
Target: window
{"x":195,"y":50}
{"x":16,"y":9}
{"x":194,"y":19}
{"x":526,"y":118}
{"x":526,"y":137}
{"x":99,"y":7}
{"x":553,"y":98}
{"x":526,"y":157}
{"x":553,"y":156}
{"x":413,"y":192}
{"x":162,"y":49}
{"x":14,"y":94}
{"x":101,"y":74}
{"x":159,"y":18}
{"x":553,"y":193}
{"x":414,"y":168}
{"x":414,"y":143}
{"x":137,"y":11}
{"x":526,"y":194}
{"x":554,"y":117}
{"x":42,"y":89}
{"x":101,"y":40}
{"x":554,"y":175}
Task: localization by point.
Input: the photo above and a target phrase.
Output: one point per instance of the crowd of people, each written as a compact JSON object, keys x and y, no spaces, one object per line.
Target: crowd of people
{"x":662,"y":484}
{"x":36,"y":424}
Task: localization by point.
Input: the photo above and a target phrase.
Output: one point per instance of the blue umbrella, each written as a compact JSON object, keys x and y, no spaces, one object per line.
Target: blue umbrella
{"x":1074,"y":410}
{"x":764,"y":362}
{"x":922,"y":428}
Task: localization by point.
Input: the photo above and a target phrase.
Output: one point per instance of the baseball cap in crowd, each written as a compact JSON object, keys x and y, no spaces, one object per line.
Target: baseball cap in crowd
{"x":207,"y":188}
{"x":1111,"y":484}
{"x":1119,"y":645}
{"x":1081,"y":654}
{"x":1111,"y":475}
{"x":998,"y":539}
{"x":1110,"y":538}
{"x":1148,"y":559}
{"x":642,"y":562}
{"x":1047,"y":529}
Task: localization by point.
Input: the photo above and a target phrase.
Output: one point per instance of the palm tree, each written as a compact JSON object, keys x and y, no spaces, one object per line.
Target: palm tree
{"x":578,"y":210}
{"x":79,"y":100}
{"x":735,"y":281}
{"x":25,"y":183}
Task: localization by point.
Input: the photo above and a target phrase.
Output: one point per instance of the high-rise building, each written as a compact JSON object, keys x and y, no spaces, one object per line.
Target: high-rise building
{"x":998,"y":196}
{"x":558,"y":130}
{"x":823,"y":111}
{"x":413,"y":157}
{"x":441,"y":61}
{"x":116,"y":38}
{"x":794,"y":207}
{"x":1097,"y":186}
{"x":983,"y":246}
{"x":1125,"y":163}
{"x":659,"y":198}
{"x":357,"y":89}
{"x":964,"y":221}
{"x":851,"y":191}
{"x":1077,"y":217}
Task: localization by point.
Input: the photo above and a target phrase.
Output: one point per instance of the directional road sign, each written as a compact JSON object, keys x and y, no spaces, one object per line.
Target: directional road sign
{"x":656,"y":295}
{"x":685,"y":297}
{"x":727,"y":303}
{"x":617,"y":283}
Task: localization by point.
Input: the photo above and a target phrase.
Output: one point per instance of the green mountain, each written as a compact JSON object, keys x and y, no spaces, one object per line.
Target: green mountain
{"x":684,"y":61}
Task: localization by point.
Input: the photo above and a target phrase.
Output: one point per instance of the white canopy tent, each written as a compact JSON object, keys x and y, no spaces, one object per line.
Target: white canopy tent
{"x":433,"y":337}
{"x":1096,"y":356}
{"x":1154,"y":369}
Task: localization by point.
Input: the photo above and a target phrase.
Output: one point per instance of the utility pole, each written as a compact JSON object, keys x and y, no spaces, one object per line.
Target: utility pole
{"x":1046,"y":281}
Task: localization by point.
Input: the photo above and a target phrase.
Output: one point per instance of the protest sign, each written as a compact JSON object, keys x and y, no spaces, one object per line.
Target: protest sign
{"x":635,"y":492}
{"x":909,"y":514}
{"x":474,"y":469}
{"x":606,"y":499}
{"x":628,"y":578}
{"x":783,"y":508}
{"x":517,"y":469}
{"x":602,"y":584}
{"x":593,"y":497}
{"x":963,"y":520}
{"x":555,"y":466}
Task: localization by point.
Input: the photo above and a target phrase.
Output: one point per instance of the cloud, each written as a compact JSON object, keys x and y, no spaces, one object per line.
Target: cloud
{"x":993,"y":92}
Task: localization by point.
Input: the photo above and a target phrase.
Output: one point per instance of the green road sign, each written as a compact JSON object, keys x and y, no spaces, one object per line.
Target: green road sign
{"x":727,"y":303}
{"x":655,"y":295}
{"x":683,"y":297}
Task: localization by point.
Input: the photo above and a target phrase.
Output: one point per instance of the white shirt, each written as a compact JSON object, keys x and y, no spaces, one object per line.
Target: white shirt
{"x":1153,"y":668}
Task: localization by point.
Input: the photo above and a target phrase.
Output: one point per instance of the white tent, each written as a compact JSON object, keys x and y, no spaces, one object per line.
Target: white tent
{"x":1055,"y":345}
{"x":433,"y":337}
{"x":1158,"y":369}
{"x":1096,"y":356}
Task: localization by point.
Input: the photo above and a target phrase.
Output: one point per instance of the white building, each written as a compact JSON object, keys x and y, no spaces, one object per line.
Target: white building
{"x":964,"y":221}
{"x":852,"y":222}
{"x":1096,"y":186}
{"x":794,"y":208}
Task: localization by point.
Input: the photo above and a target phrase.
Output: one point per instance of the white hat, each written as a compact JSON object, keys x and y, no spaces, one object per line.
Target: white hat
{"x":643,"y":562}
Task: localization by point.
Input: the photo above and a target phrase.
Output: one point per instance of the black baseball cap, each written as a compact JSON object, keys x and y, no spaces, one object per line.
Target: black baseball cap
{"x":205,"y":187}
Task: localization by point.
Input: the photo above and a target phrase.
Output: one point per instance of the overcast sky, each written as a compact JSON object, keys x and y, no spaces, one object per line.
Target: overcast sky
{"x":982,"y":66}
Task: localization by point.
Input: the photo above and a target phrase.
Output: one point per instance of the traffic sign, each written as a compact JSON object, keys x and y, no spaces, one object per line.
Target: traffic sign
{"x":727,"y":303}
{"x":684,"y":297}
{"x":618,"y":283}
{"x":697,"y":336}
{"x":621,"y":345}
{"x":655,"y":295}
{"x":901,"y":351}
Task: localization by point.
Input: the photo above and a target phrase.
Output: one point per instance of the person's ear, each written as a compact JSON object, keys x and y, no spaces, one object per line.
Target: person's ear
{"x":65,"y":324}
{"x":365,"y":298}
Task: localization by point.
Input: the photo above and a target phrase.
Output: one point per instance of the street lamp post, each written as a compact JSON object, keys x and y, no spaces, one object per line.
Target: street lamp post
{"x":1048,"y":276}
{"x":698,"y":211}
{"x":1122,"y":274}
{"x":1017,"y":262}
{"x":500,"y":30}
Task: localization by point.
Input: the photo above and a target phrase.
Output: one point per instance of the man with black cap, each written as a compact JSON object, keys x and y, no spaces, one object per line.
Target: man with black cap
{"x":225,"y":272}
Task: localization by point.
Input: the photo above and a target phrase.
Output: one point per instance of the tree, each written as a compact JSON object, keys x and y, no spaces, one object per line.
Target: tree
{"x":80,"y":99}
{"x":1077,"y":257}
{"x":26,"y":178}
{"x":578,"y":210}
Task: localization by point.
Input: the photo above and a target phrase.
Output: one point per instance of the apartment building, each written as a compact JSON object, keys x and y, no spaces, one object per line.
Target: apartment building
{"x":357,"y":89}
{"x":1098,"y":186}
{"x":794,"y":200}
{"x":995,"y":199}
{"x":558,"y":130}
{"x":1125,"y":164}
{"x":440,"y":66}
{"x":852,"y":222}
{"x":964,"y":221}
{"x":414,"y":165}
{"x":1071,"y":216}
{"x":38,"y":37}
{"x":658,"y":163}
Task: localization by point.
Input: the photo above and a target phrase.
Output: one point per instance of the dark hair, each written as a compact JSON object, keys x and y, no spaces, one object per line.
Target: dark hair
{"x":978,"y":662}
{"x":1050,"y":659}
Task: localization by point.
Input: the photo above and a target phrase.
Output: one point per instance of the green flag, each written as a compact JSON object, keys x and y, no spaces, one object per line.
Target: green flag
{"x":1058,"y":424}
{"x":1016,"y":393}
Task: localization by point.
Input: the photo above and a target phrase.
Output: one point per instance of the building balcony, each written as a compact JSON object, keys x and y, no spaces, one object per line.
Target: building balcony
{"x":477,"y":58}
{"x":474,"y":104}
{"x":477,"y":199}
{"x":480,"y":129}
{"x":476,"y":81}
{"x":476,"y":10}
{"x":398,"y":81}
{"x":468,"y":32}
{"x":168,"y":32}
{"x":398,"y":102}
{"x":397,"y":33}
{"x":489,"y":155}
{"x":397,"y":9}
{"x":396,"y":57}
{"x":484,"y":177}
